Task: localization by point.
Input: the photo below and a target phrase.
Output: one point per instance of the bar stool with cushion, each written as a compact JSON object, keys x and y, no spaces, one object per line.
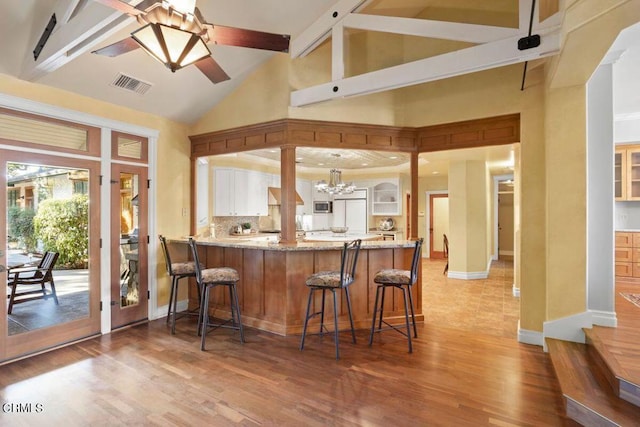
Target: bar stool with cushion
{"x":177,"y":271}
{"x":208,"y":279}
{"x":403,"y":280}
{"x":332,"y":281}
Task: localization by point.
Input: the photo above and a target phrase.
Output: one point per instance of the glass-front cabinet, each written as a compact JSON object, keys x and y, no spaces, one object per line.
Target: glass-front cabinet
{"x":620,"y":174}
{"x":627,"y":173}
{"x":633,"y":174}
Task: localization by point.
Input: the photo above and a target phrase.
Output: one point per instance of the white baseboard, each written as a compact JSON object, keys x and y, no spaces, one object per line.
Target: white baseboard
{"x":515,"y":291}
{"x":530,"y":337}
{"x":464,"y":275}
{"x":604,"y":318}
{"x":162,"y":310}
{"x":508,"y":253}
{"x":568,"y":328}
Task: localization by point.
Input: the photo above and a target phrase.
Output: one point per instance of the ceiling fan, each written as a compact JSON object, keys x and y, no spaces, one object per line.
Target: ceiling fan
{"x":175,"y":33}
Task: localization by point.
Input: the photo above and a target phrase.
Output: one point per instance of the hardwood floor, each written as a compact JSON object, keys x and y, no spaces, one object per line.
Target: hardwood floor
{"x":623,"y":342}
{"x":484,"y":306}
{"x":145,"y":376}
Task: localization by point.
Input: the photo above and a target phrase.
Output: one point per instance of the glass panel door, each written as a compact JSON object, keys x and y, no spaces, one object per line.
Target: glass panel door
{"x":51,"y":255}
{"x":129,"y":296}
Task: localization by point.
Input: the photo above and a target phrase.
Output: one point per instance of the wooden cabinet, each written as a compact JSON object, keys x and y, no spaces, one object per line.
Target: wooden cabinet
{"x":627,"y":173}
{"x":627,"y":254}
{"x":386,"y":198}
{"x":240,"y":192}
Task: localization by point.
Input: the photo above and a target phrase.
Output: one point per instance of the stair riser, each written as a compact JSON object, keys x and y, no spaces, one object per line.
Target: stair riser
{"x":629,"y":392}
{"x":600,"y":361}
{"x":586,"y":416}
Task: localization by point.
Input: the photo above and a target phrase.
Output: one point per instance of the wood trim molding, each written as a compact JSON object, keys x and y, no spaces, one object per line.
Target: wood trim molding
{"x":314,"y":133}
{"x":498,"y":130}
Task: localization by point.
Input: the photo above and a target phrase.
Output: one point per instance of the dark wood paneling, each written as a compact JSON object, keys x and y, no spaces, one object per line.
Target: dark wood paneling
{"x":299,"y":266}
{"x":252,"y":283}
{"x":468,"y":134}
{"x":275,"y":278}
{"x":273,"y":294}
{"x":312,"y":133}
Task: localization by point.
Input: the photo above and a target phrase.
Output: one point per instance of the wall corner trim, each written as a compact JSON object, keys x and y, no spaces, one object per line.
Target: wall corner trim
{"x":530,"y":337}
{"x":568,"y":328}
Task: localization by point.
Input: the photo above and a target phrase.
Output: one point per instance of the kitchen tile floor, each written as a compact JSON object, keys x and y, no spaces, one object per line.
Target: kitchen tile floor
{"x":485,"y":305}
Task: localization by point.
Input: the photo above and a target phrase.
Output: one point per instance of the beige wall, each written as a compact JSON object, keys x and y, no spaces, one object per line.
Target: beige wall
{"x":468,"y":221}
{"x":552,"y":108}
{"x":173,"y":164}
{"x":552,"y":174}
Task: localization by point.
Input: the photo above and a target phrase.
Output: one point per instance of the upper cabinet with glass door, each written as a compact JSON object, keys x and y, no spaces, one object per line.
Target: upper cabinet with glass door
{"x":627,"y":173}
{"x":620,"y":175}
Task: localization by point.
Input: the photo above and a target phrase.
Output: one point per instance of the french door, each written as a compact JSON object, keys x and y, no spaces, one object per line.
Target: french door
{"x":52,"y":204}
{"x":129,"y":245}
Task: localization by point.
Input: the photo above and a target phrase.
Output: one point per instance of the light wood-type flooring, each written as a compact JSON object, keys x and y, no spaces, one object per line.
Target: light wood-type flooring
{"x":145,"y":376}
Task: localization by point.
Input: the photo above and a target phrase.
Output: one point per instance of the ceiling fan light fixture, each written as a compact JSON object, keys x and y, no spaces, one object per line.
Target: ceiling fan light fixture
{"x":184,"y":6}
{"x":172,"y":46}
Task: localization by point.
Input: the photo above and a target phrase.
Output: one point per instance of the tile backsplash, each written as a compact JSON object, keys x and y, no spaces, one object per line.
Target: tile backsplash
{"x":627,"y":216}
{"x":224,"y":225}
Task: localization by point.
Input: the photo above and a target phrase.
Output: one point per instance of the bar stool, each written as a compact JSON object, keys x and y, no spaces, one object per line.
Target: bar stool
{"x":177,"y":271}
{"x":208,"y":279}
{"x":403,"y":280}
{"x":332,"y":281}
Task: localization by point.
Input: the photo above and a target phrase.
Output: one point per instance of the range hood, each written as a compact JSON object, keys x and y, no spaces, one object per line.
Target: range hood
{"x":275,"y":197}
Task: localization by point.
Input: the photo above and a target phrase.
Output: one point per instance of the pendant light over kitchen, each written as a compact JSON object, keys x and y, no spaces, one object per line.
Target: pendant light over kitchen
{"x":335,"y":185}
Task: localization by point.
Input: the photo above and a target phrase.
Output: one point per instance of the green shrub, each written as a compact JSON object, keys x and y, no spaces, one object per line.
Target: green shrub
{"x":21,"y":227}
{"x":63,"y":226}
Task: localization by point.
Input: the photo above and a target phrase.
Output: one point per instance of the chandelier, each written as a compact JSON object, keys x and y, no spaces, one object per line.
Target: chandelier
{"x":335,"y":185}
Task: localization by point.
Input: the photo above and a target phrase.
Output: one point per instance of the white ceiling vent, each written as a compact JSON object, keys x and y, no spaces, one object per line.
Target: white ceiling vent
{"x":131,"y":84}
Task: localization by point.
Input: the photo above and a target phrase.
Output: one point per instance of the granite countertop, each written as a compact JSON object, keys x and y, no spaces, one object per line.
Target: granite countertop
{"x":273,"y":245}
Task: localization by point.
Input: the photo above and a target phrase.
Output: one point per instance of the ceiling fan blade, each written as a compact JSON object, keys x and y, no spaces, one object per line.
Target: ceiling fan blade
{"x":118,"y":48}
{"x":230,"y":36}
{"x":122,"y":7}
{"x":212,"y":70}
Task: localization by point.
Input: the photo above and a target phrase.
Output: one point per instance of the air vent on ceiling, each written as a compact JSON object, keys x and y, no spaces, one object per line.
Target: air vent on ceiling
{"x":132,"y":84}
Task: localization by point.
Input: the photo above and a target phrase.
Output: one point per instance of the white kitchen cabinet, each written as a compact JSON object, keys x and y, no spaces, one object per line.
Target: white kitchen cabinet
{"x":304,"y":189}
{"x":321,"y":221}
{"x":240,"y":192}
{"x":319,"y":196}
{"x":223,"y":197}
{"x":385,"y":198}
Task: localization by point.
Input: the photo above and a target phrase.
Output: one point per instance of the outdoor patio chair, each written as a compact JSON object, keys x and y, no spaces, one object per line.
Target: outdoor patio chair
{"x":30,"y":276}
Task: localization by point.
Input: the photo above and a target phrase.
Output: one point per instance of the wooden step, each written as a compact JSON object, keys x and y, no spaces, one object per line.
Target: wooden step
{"x":589,"y":397}
{"x":623,"y":382}
{"x":610,"y":358}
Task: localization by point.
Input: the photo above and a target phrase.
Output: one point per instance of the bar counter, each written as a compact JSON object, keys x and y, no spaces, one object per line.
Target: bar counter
{"x":272,"y":289}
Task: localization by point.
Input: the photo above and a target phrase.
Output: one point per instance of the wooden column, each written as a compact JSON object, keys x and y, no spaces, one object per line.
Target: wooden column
{"x":288,"y":185}
{"x":414,"y":196}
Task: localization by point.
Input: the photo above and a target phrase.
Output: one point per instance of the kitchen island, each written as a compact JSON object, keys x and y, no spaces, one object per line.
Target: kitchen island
{"x":272,"y":289}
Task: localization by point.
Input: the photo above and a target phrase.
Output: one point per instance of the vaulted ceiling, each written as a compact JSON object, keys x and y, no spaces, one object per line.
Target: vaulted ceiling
{"x":66,"y":61}
{"x":82,"y":26}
